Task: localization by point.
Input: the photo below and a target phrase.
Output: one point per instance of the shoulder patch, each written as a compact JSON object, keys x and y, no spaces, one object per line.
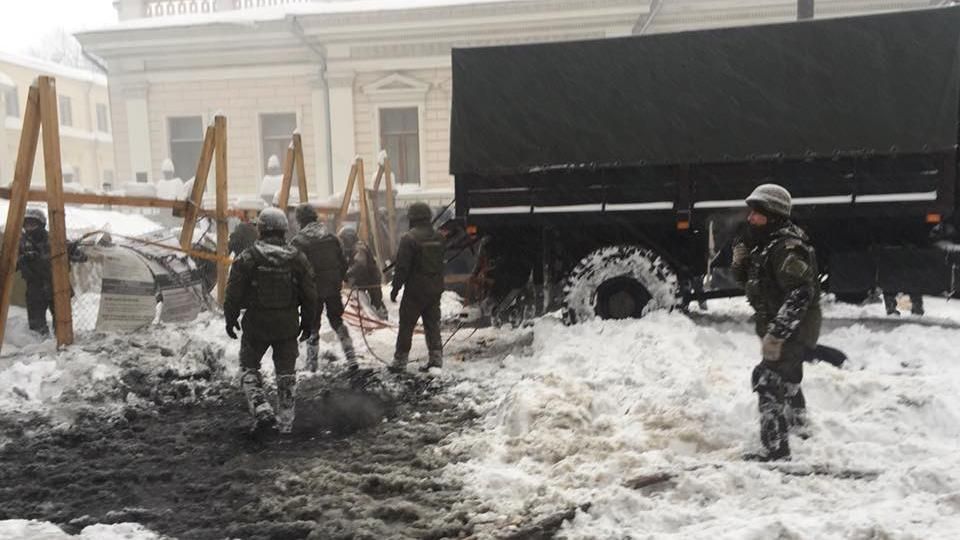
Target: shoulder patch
{"x":794,"y":266}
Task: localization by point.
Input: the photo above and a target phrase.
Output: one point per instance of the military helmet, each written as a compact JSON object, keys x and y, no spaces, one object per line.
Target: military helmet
{"x":348,"y":235}
{"x":37,"y":214}
{"x":771,"y":198}
{"x":306,"y":213}
{"x":272,"y":219}
{"x":419,"y":211}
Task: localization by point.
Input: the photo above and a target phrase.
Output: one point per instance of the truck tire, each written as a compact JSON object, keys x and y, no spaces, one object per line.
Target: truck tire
{"x":619,"y":282}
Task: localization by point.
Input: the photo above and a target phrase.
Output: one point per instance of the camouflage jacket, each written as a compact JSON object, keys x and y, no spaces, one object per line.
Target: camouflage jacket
{"x":363,"y":271}
{"x":325,"y":254}
{"x":33,"y":257}
{"x":781,"y":280}
{"x":271,"y":281}
{"x":419,"y":263}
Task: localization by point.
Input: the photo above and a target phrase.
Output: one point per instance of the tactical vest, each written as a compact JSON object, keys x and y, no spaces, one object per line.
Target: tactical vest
{"x":273,"y":282}
{"x":762,"y":290}
{"x":432,"y":248}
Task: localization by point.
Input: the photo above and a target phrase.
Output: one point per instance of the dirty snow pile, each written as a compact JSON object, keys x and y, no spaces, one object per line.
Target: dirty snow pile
{"x":112,"y":371}
{"x":585,"y":410}
{"x":40,"y":530}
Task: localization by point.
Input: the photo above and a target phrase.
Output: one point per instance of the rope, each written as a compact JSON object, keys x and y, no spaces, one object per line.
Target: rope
{"x":353,"y":295}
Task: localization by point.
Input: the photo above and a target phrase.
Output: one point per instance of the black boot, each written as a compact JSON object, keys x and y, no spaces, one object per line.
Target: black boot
{"x":771,"y":402}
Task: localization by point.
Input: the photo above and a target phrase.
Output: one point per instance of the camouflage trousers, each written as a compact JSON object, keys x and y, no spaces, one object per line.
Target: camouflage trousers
{"x":780,"y":399}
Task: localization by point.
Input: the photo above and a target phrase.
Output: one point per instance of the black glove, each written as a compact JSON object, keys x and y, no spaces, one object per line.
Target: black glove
{"x":231,"y":326}
{"x":305,"y":333}
{"x":393,"y":294}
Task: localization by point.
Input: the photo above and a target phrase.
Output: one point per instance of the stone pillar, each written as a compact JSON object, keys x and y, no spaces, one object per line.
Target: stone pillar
{"x":138,"y":133}
{"x":323,"y":169}
{"x":342,"y":134}
{"x":6,"y":162}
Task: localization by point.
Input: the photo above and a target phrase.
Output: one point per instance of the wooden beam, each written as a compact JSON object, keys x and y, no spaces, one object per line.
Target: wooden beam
{"x":287,"y":179}
{"x":59,"y":265}
{"x":379,"y":178}
{"x":345,"y":206}
{"x":363,"y":231}
{"x":220,"y":124}
{"x":29,"y":136}
{"x":378,"y":252}
{"x":195,"y":202}
{"x":391,"y":207}
{"x":106,"y":200}
{"x":301,"y":167}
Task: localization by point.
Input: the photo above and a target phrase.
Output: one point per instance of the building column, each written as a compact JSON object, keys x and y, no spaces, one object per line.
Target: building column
{"x":342,"y":134}
{"x":138,"y":133}
{"x":323,"y":169}
{"x":6,"y":166}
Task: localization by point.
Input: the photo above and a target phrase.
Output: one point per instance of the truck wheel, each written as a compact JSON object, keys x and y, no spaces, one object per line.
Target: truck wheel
{"x":619,"y":282}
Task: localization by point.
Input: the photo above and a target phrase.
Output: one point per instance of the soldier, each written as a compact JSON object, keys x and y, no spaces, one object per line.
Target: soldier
{"x":419,"y":269}
{"x":242,"y":237}
{"x":363,"y":272}
{"x":33,"y":261}
{"x":777,"y":266}
{"x":325,"y":254}
{"x":270,"y":280}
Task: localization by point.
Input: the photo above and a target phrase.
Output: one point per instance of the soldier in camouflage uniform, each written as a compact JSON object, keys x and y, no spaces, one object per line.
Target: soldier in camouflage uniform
{"x":363,"y":272}
{"x":777,"y":266}
{"x":33,"y":261}
{"x":325,"y":254}
{"x":270,"y":281}
{"x":419,"y":270}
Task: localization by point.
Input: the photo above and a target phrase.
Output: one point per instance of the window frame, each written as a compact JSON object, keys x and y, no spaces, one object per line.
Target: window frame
{"x":378,"y":136}
{"x":64,"y":103}
{"x":169,"y":140}
{"x":105,"y":128}
{"x":13,"y":92}
{"x":258,"y":117}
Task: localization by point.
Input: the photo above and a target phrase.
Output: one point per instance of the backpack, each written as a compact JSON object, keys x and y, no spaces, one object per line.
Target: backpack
{"x":273,"y":281}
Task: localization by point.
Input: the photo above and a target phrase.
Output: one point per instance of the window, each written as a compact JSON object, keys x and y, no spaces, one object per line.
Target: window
{"x":186,"y":140}
{"x":12,"y":101}
{"x":103,"y":119}
{"x":66,"y":112}
{"x":400,"y":137}
{"x":275,"y":131}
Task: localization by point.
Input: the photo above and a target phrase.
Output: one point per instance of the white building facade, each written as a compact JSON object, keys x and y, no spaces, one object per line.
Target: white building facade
{"x":354,"y":76}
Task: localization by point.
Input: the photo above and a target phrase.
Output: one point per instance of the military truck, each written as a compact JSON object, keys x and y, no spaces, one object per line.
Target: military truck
{"x":607,"y":177}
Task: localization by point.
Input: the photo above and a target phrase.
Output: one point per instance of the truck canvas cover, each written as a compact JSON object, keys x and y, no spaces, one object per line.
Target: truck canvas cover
{"x":884,"y":84}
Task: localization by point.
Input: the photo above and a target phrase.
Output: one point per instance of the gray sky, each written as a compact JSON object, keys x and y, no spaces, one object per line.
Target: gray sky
{"x":24,"y":22}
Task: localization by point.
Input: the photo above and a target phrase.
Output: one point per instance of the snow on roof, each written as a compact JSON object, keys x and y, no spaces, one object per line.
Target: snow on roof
{"x":52,"y":68}
{"x":250,"y":17}
{"x":81,"y":220}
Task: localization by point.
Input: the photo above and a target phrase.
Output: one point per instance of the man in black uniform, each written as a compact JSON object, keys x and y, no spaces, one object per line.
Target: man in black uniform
{"x":325,"y":254}
{"x":270,"y":281}
{"x":419,"y":270}
{"x":33,"y":261}
{"x":362,"y":271}
{"x":777,"y":266}
{"x":242,"y":237}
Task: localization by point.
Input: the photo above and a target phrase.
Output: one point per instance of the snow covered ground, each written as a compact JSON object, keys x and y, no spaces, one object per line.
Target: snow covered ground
{"x":638,"y":423}
{"x":584,"y":410}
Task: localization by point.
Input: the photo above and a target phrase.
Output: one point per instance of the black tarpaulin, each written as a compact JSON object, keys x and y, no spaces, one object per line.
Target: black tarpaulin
{"x":882,"y":83}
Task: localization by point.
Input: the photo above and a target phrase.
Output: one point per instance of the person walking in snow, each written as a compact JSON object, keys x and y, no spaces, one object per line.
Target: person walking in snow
{"x":329,"y":265}
{"x":274,"y":283}
{"x":242,"y":237}
{"x":362,"y":271}
{"x":419,"y":271}
{"x":777,"y":266}
{"x":33,"y":262}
